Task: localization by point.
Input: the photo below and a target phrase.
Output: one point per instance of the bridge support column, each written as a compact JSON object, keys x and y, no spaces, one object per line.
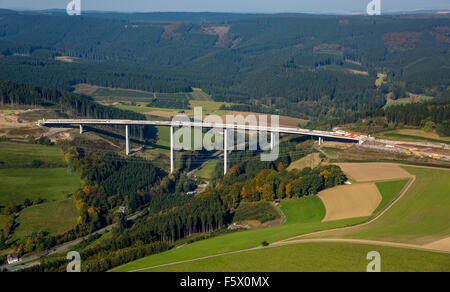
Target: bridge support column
{"x":225,"y":149}
{"x":172,"y":150}
{"x":272,"y":140}
{"x":127,"y":138}
{"x":320,"y":141}
{"x":81,"y":129}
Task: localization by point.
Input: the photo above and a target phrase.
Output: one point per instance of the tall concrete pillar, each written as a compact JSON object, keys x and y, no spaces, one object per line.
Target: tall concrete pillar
{"x":127,"y":138}
{"x":272,"y":140}
{"x":172,"y":150}
{"x":320,"y":141}
{"x":225,"y":151}
{"x":81,"y":129}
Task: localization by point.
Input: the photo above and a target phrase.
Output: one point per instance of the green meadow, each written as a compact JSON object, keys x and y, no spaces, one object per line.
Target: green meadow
{"x":54,"y":217}
{"x":22,"y":154}
{"x":208,"y":169}
{"x":50,"y":184}
{"x":318,"y":257}
{"x":420,"y":216}
{"x":303,"y":216}
{"x":388,"y":191}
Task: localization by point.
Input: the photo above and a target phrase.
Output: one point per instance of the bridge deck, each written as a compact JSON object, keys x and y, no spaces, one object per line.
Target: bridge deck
{"x":282,"y":130}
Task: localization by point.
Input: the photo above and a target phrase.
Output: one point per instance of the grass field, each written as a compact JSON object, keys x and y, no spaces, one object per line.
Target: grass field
{"x":261,"y":211}
{"x":50,"y":184}
{"x":420,"y":217}
{"x":318,"y":257}
{"x":116,"y":94}
{"x":303,"y":216}
{"x":207,"y":170}
{"x":388,"y":191}
{"x":199,"y":94}
{"x":411,"y":99}
{"x":144,"y":109}
{"x":3,"y":221}
{"x":413,"y":135}
{"x":305,"y":162}
{"x":54,"y":217}
{"x":22,"y":154}
{"x":105,"y":237}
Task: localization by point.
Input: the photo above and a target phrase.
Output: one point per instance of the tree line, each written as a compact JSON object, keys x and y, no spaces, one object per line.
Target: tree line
{"x":74,"y":105}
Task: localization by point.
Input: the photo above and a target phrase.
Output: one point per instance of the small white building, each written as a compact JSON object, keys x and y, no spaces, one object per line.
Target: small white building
{"x":12,"y":259}
{"x":123,"y":210}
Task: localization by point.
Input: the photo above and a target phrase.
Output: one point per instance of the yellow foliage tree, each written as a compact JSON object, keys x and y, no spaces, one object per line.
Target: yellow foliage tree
{"x":79,"y":204}
{"x":289,"y":190}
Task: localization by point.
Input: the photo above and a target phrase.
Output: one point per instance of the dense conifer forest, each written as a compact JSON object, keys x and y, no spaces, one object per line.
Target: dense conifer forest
{"x":297,"y":65}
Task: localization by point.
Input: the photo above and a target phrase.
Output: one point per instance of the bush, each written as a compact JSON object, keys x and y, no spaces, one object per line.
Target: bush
{"x":443,"y":129}
{"x":37,"y":164}
{"x":38,"y":201}
{"x":261,"y":211}
{"x":27,"y":203}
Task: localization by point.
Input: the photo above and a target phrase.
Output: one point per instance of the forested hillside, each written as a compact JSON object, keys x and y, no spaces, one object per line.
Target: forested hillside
{"x":434,"y":115}
{"x":73,"y":105}
{"x":305,"y":66}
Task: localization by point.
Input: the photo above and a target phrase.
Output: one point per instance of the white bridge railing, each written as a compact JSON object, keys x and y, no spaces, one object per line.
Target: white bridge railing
{"x":177,"y":124}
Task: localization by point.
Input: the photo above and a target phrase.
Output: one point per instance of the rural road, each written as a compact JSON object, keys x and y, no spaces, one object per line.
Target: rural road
{"x":296,"y":240}
{"x":31,"y":260}
{"x":337,"y":240}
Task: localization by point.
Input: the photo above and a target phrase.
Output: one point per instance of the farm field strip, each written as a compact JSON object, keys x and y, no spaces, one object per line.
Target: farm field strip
{"x":350,"y":201}
{"x":415,"y":218}
{"x":211,"y":247}
{"x":368,"y":172}
{"x":303,"y":216}
{"x":313,"y":256}
{"x":54,"y":217}
{"x":18,"y":154}
{"x":50,"y":184}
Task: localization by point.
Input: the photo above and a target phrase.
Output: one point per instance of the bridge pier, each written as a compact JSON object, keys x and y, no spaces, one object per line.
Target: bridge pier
{"x":272,"y":140}
{"x":172,"y":150}
{"x":225,"y":153}
{"x":127,"y":138}
{"x":81,"y":129}
{"x":320,"y":141}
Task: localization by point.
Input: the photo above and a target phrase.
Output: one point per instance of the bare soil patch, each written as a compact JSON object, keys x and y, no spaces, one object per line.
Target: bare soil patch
{"x":443,"y":244}
{"x":365,"y":172}
{"x":357,"y":72}
{"x":350,"y":201}
{"x":66,"y":59}
{"x":10,"y":119}
{"x":255,"y":224}
{"x":163,"y":114}
{"x":305,"y":162}
{"x":333,"y":144}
